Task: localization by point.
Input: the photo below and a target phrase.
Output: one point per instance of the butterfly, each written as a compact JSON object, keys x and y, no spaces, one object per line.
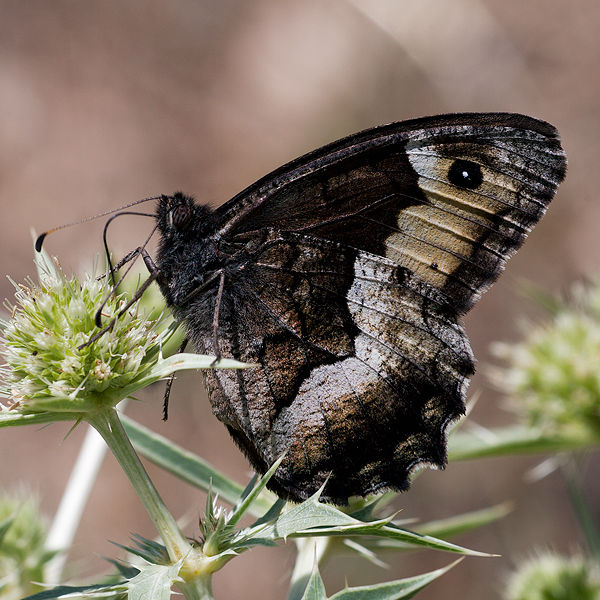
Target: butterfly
{"x":344,"y":275}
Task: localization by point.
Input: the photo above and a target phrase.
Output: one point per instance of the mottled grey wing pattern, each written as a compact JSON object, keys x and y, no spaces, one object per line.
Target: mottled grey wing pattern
{"x":344,"y":277}
{"x":362,"y":369}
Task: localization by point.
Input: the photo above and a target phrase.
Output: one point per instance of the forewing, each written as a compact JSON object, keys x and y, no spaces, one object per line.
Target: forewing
{"x":389,"y":191}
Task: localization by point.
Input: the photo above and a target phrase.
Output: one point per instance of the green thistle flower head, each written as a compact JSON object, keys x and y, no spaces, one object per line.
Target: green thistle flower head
{"x":49,"y":367}
{"x":22,"y":553}
{"x":554,"y":373}
{"x":553,"y":577}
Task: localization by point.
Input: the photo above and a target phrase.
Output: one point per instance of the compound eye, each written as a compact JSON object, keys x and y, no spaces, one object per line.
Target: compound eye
{"x":181,"y":217}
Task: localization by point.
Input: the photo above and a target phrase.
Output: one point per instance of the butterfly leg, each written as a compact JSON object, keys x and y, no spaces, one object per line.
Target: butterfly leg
{"x":152,"y":268}
{"x":111,"y":270}
{"x":218,"y":299}
{"x":127,"y":258}
{"x":134,"y":299}
{"x":170,"y":383}
{"x":156,"y":274}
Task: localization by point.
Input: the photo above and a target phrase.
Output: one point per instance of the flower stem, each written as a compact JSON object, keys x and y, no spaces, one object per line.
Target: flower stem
{"x":199,"y":589}
{"x":109,"y":426}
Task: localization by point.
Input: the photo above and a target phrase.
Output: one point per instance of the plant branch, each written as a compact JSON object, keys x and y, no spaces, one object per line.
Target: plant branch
{"x":108,"y":424}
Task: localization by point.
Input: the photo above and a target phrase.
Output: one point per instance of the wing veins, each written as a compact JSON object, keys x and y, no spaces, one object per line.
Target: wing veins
{"x":462,"y":258}
{"x":365,"y":306}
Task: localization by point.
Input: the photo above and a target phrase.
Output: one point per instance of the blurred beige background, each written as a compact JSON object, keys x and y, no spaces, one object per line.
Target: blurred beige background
{"x":103,"y":102}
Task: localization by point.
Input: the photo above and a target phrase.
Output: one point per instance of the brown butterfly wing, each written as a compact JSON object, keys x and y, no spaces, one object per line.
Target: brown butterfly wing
{"x":345,"y":273}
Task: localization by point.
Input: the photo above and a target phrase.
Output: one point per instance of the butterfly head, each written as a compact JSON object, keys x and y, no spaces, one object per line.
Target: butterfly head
{"x":184,"y":228}
{"x":179,"y":217}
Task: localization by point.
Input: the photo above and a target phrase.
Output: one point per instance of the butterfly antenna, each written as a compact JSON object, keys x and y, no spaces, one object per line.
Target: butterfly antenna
{"x":40,"y":240}
{"x":133,"y":254}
